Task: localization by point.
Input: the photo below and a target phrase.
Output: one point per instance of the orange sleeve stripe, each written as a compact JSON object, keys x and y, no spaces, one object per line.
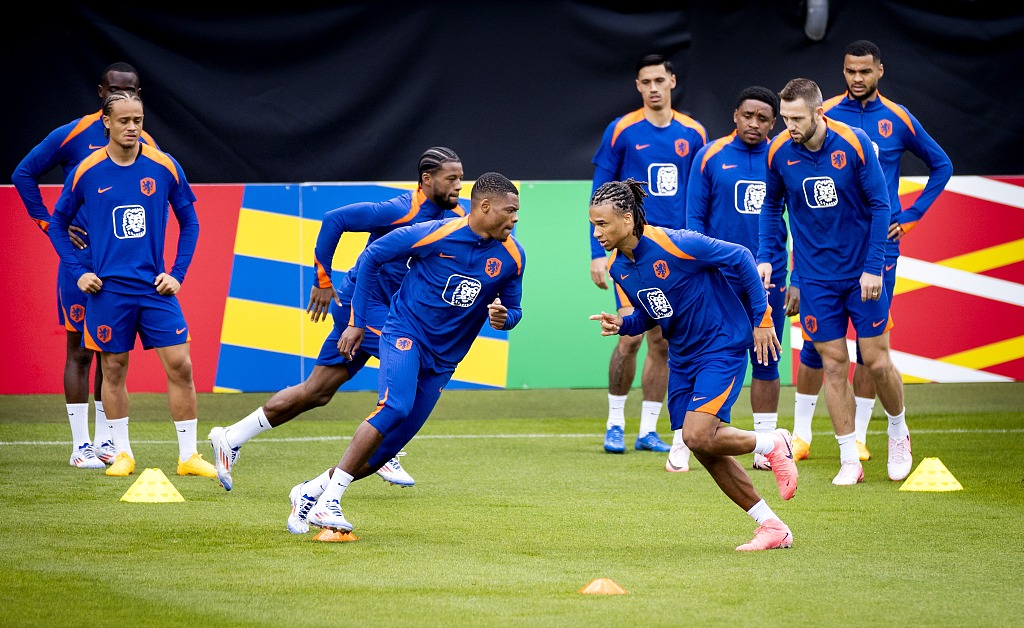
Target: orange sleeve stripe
{"x":513,"y":250}
{"x":627,"y":120}
{"x":832,"y":102}
{"x":846,"y":132}
{"x":715,"y":148}
{"x":714,"y":405}
{"x":322,"y":280}
{"x":417,"y":201}
{"x":689,"y":122}
{"x":436,"y":235}
{"x":908,"y":226}
{"x":661,"y":238}
{"x":374,"y":330}
{"x":623,"y":299}
{"x":82,"y":125}
{"x":160,"y":158}
{"x":900,"y":113}
{"x":91,"y":160}
{"x":766,"y":320}
{"x":776,"y":144}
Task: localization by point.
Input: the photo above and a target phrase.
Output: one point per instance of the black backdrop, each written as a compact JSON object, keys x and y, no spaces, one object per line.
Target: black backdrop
{"x":356,"y":92}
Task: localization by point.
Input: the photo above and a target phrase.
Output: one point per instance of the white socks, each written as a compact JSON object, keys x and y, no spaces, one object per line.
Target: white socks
{"x":761,"y":512}
{"x":78,"y":417}
{"x":649,"y":412}
{"x":765,"y":421}
{"x":336,"y":486}
{"x":240,"y":433}
{"x":616,"y":411}
{"x":186,"y":438}
{"x":102,"y":427}
{"x":119,"y":434}
{"x":862,"y":417}
{"x":898,"y":425}
{"x":316,"y":486}
{"x":848,"y":448}
{"x":803,"y":412}
{"x":677,"y":437}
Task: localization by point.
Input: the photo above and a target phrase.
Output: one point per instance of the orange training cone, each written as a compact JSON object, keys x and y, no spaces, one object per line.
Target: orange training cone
{"x":603,"y":586}
{"x":333,"y":536}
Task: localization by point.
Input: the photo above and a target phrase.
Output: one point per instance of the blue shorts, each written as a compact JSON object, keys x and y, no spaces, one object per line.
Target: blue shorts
{"x":809,"y":355}
{"x":777,"y":300}
{"x":407,"y":393}
{"x":342,"y":315}
{"x":708,"y":384}
{"x":71,"y":302}
{"x":114,"y":319}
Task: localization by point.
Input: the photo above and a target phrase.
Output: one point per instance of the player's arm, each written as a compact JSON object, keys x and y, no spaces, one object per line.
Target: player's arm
{"x":770,"y":226}
{"x":188,"y":237}
{"x":400,"y":243}
{"x":64,"y":212}
{"x":506,"y":311}
{"x":40,"y":160}
{"x":698,"y":195}
{"x":940,"y":170}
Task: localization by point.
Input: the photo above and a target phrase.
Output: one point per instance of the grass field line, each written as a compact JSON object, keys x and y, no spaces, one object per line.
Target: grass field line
{"x":314,"y":439}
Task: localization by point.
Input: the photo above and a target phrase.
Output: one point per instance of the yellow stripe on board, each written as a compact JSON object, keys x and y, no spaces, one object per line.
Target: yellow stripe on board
{"x":907,"y":187}
{"x":268,"y":327}
{"x":978,"y":261}
{"x":990,"y":355}
{"x":290,"y":239}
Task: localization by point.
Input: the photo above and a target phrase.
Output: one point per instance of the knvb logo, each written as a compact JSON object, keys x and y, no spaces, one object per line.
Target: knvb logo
{"x":77,"y":313}
{"x":148,"y":186}
{"x":661,"y":269}
{"x":838,"y":159}
{"x":403,"y":344}
{"x":104,"y":333}
{"x":885,"y":128}
{"x":492,"y":267}
{"x":810,"y":324}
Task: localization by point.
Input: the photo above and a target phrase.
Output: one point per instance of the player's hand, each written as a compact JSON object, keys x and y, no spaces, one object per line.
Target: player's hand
{"x":792,"y":300}
{"x":896,"y":232}
{"x":89,"y":283}
{"x":320,"y":303}
{"x":610,"y":323}
{"x":166,"y":285}
{"x":350,"y":341}
{"x":497,"y":313}
{"x":766,"y":344}
{"x":870,"y":287}
{"x":764,"y":269}
{"x":599,"y":272}
{"x":76,"y":239}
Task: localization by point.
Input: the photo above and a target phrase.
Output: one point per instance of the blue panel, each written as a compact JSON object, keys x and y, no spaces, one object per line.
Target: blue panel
{"x":269,"y":281}
{"x":280,"y":199}
{"x":254,"y":370}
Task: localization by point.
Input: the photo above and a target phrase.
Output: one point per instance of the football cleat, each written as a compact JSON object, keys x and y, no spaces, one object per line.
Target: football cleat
{"x":85,"y":458}
{"x":678,"y":459}
{"x":393,"y":472}
{"x":850,"y":473}
{"x":862,"y":452}
{"x":772,"y":534}
{"x":782,"y":463}
{"x":328,"y":515}
{"x":761,"y":463}
{"x":224,"y":456}
{"x":301,"y":504}
{"x":124,"y":465}
{"x":900,"y":458}
{"x":614,"y":443}
{"x":801,"y":448}
{"x":195,"y":465}
{"x":651,"y":442}
{"x":105,"y":452}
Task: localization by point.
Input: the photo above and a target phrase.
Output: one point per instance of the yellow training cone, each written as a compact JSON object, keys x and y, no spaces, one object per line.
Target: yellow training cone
{"x":603,"y":586}
{"x":931,"y":475}
{"x":152,"y":487}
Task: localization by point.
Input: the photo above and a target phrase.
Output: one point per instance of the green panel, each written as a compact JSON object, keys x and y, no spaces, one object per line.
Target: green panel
{"x":556,"y":345}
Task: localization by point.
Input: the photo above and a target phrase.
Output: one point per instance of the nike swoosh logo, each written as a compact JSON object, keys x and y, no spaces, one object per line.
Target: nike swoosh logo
{"x":623,"y":276}
{"x":102,"y":190}
{"x":91,"y":147}
{"x":890,"y":267}
{"x":182,"y":431}
{"x":446,"y":256}
{"x":790,"y":162}
{"x":878,"y":323}
{"x":699,"y":398}
{"x":728,"y":166}
{"x":180,"y":331}
{"x":642,"y":146}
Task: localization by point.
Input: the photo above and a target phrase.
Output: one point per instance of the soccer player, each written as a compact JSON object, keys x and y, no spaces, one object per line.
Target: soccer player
{"x":65,"y":146}
{"x":829,"y":178}
{"x":893,"y":131}
{"x":655,"y":144}
{"x":463,"y":272}
{"x":440,"y":180}
{"x":675,"y":279}
{"x":723,"y":201}
{"x":122,"y":191}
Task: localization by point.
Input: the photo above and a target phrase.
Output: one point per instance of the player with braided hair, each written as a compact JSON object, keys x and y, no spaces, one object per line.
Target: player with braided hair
{"x":677,"y":281}
{"x":437,"y":196}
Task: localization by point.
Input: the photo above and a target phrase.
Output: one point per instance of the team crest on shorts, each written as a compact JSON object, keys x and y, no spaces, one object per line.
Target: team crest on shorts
{"x":77,"y":313}
{"x":104,"y":333}
{"x":403,"y":344}
{"x":810,"y":324}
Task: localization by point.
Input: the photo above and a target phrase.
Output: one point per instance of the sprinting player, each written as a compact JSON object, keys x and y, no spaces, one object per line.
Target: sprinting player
{"x":463,"y":272}
{"x":827,"y":175}
{"x":655,"y":144}
{"x":893,"y":131}
{"x":122,"y":191}
{"x":65,"y":146}
{"x":723,"y":201}
{"x":440,"y":181}
{"x":675,"y":279}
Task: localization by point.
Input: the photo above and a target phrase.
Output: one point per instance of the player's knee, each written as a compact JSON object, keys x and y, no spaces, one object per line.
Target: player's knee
{"x":629,"y":345}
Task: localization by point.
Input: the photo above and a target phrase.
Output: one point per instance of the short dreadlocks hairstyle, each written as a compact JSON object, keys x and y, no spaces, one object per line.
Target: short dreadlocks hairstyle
{"x":627,"y":197}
